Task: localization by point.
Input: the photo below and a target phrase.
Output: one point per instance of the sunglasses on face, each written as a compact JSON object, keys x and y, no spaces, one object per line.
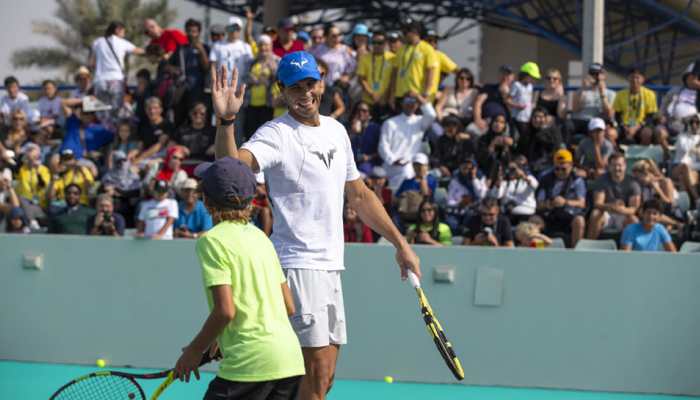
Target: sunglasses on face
{"x":492,"y":215}
{"x":377,"y":42}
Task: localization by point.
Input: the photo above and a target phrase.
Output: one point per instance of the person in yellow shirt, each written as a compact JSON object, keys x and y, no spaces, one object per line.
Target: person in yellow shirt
{"x":394,"y":40}
{"x":415,"y":65}
{"x":446,"y":65}
{"x":632,"y":107}
{"x":374,"y":73}
{"x":72,"y":173}
{"x":32,"y":178}
{"x":260,"y":82}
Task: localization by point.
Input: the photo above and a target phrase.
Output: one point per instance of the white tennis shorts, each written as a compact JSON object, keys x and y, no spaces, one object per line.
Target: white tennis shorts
{"x":320,"y":314}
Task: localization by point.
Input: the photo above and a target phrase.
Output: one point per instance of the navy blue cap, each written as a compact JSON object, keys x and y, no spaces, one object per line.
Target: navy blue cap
{"x":297,"y":66}
{"x":16,"y":212}
{"x":226,"y":178}
{"x":161,"y":186}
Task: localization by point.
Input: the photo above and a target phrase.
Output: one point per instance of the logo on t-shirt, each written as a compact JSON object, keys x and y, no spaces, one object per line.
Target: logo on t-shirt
{"x":326,"y":158}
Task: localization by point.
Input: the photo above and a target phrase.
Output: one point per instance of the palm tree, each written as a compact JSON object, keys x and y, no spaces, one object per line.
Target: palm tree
{"x":82,"y":22}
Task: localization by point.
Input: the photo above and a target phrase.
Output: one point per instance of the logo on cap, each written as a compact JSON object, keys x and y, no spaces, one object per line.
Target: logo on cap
{"x":298,"y":64}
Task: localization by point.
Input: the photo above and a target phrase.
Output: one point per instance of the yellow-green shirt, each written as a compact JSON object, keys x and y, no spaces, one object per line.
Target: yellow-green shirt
{"x":635,"y":108}
{"x":32,"y":183}
{"x":376,"y":68}
{"x":83,"y":179}
{"x":259,"y":344}
{"x":411,"y":63}
{"x":444,"y":232}
{"x":258,"y":93}
{"x":447,"y":66}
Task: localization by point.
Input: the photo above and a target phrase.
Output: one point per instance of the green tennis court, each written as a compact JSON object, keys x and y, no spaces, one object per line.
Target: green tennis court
{"x":21,"y":380}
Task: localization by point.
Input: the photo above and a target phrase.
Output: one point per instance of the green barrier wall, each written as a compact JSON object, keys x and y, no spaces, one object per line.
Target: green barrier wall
{"x":545,"y":318}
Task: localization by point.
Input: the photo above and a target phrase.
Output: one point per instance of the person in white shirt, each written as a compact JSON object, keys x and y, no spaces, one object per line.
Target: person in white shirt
{"x":402,"y":136}
{"x":157,"y":216}
{"x":108,"y":60}
{"x":516,"y":190}
{"x":14,"y":99}
{"x":50,"y":103}
{"x":233,"y":52}
{"x":521,"y":101}
{"x":687,"y":157}
{"x":465,"y":190}
{"x":310,"y":170}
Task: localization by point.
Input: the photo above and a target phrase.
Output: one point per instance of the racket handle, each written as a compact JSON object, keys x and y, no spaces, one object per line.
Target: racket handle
{"x":415,"y":282}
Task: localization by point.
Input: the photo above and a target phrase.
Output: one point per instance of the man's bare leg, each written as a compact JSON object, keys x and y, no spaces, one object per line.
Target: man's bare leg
{"x":320,"y":371}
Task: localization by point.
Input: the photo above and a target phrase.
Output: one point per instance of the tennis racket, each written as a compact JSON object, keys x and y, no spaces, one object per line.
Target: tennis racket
{"x":116,"y":385}
{"x":435,"y":330}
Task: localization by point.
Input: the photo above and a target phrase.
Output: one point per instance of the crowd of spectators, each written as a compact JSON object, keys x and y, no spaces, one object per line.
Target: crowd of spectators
{"x":514,"y":162}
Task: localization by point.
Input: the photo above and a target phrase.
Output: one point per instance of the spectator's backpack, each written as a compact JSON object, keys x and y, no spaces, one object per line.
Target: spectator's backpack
{"x":409,"y":205}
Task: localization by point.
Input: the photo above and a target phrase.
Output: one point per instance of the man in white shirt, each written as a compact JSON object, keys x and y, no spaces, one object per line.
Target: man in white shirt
{"x":157,"y":216}
{"x":108,"y":60}
{"x":402,"y":137}
{"x":233,"y":52}
{"x":14,"y":99}
{"x":309,"y":169}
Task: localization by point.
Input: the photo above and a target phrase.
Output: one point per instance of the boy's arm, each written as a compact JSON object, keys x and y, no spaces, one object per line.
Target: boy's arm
{"x":221,"y":315}
{"x":288,"y":300}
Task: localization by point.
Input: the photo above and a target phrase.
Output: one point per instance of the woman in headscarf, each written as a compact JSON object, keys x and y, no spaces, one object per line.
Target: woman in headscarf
{"x":171,"y":170}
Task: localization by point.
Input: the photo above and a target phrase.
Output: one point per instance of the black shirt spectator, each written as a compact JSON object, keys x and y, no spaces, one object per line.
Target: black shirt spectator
{"x":452,"y":147}
{"x":489,"y":228}
{"x":73,"y":219}
{"x":197,"y":135}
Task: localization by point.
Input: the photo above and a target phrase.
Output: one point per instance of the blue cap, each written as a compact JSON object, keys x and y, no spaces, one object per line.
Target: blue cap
{"x":16,"y":212}
{"x":303,"y":36}
{"x":360,"y":29}
{"x":297,"y":66}
{"x":226,"y":178}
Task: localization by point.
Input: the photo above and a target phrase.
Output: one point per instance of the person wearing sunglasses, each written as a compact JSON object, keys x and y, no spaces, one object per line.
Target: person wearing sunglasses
{"x":552,"y":98}
{"x":171,"y":170}
{"x":374,"y":73}
{"x":561,"y":199}
{"x":13,"y":100}
{"x":338,"y":57}
{"x":72,"y":219}
{"x":459,"y":99}
{"x":428,"y":229}
{"x":197,"y":135}
{"x":489,"y":227}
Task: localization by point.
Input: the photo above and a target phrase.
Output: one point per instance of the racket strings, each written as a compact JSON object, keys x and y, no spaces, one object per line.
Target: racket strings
{"x":106,"y":387}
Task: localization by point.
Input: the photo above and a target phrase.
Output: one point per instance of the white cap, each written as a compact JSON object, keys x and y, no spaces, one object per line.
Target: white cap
{"x":189,"y":183}
{"x":234,"y":21}
{"x":596,"y":123}
{"x":420,"y":158}
{"x":264,"y":39}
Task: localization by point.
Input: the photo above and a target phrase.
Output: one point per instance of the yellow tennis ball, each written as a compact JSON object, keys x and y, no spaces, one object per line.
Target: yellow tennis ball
{"x":389,"y":379}
{"x":100,"y":362}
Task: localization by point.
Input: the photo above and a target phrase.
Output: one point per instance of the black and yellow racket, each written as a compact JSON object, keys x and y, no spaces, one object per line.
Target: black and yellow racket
{"x":116,"y":385}
{"x":435,"y":330}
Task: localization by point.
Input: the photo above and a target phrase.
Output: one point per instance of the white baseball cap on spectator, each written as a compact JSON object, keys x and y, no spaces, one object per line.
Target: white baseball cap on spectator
{"x":420,"y":158}
{"x":264,"y":39}
{"x":595,"y":124}
{"x":234,"y":21}
{"x":189,"y":183}
{"x":377,"y":172}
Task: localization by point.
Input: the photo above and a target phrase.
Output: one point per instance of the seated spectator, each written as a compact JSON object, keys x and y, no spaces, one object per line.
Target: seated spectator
{"x":489,"y":228}
{"x":545,"y":139}
{"x":495,"y":147}
{"x":459,"y":100}
{"x":122,"y":176}
{"x":43,"y":137}
{"x":15,"y":99}
{"x":262,"y":211}
{"x":592,"y":100}
{"x":491,"y":101}
{"x":552,"y":98}
{"x":83,"y":83}
{"x":616,"y":199}
{"x":354,"y":230}
{"x":193,"y":218}
{"x":157,"y":215}
{"x":49,"y":104}
{"x":402,"y":136}
{"x":197,"y":135}
{"x":528,"y":234}
{"x":561,"y":198}
{"x":17,"y":133}
{"x":33,"y":179}
{"x":428,"y":229}
{"x":593,"y":152}
{"x":377,"y":182}
{"x":515,"y":190}
{"x":647,"y":235}
{"x":655,"y":186}
{"x":155,"y":132}
{"x":125,"y":142}
{"x":105,"y":222}
{"x":286,"y":41}
{"x":84,"y":134}
{"x":421,"y":182}
{"x":466,"y":189}
{"x":171,"y":170}
{"x":364,"y":138}
{"x":8,"y":196}
{"x":687,"y":157}
{"x":452,"y":147}
{"x":70,"y":172}
{"x":633,"y":108}
{"x":678,"y":104}
{"x":72,"y":219}
{"x":17,"y":221}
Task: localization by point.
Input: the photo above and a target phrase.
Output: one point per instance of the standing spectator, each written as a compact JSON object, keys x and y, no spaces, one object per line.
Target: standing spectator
{"x":105,"y":222}
{"x":197,"y":135}
{"x":286,"y":41}
{"x":17,"y":221}
{"x":337,"y":56}
{"x":552,"y":98}
{"x":192,"y":62}
{"x":491,"y":101}
{"x":354,"y":230}
{"x":516,"y":190}
{"x":592,"y":100}
{"x":259,"y":87}
{"x":70,"y":173}
{"x":521,"y":103}
{"x":107,"y":57}
{"x":332,"y":103}
{"x":166,"y":39}
{"x":155,"y":132}
{"x":445,"y":64}
{"x":234,"y":52}
{"x":687,"y":157}
{"x":402,"y":136}
{"x":561,"y":198}
{"x":452,"y":148}
{"x":374,"y":74}
{"x":489,"y":228}
{"x":616,"y":199}
{"x":394,"y":40}
{"x":157,"y":216}
{"x":73,"y":219}
{"x":364,"y":138}
{"x":83,"y":83}
{"x":647,"y":235}
{"x":466,"y":189}
{"x":171,"y":171}
{"x":459,"y":100}
{"x":49,"y":104}
{"x":415,"y":66}
{"x":13,"y":100}
{"x":317,"y":38}
{"x":145,"y":89}
{"x":429,"y":230}
{"x":359,"y":39}
{"x":594,"y":151}
{"x":193,"y":218}
{"x":633,"y":106}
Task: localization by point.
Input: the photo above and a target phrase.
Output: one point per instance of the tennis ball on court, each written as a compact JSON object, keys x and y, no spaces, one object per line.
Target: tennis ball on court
{"x":101,"y":362}
{"x":389,"y":379}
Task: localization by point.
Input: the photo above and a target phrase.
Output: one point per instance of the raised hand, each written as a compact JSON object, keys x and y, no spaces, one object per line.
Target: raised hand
{"x":226,"y":100}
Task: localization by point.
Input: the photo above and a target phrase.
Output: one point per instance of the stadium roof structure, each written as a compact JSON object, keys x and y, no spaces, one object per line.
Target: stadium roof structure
{"x":659,"y":37}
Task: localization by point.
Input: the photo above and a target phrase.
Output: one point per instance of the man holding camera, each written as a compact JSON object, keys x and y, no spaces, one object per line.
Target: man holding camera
{"x":593,"y":99}
{"x":106,"y":222}
{"x":489,"y":228}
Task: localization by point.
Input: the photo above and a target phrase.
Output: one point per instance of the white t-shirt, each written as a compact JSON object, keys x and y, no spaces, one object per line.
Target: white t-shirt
{"x":688,"y":150}
{"x":50,"y":108}
{"x":8,"y":105}
{"x":155,"y":214}
{"x":306,"y":168}
{"x":107,"y":67}
{"x":232,"y":54}
{"x":522,"y":95}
